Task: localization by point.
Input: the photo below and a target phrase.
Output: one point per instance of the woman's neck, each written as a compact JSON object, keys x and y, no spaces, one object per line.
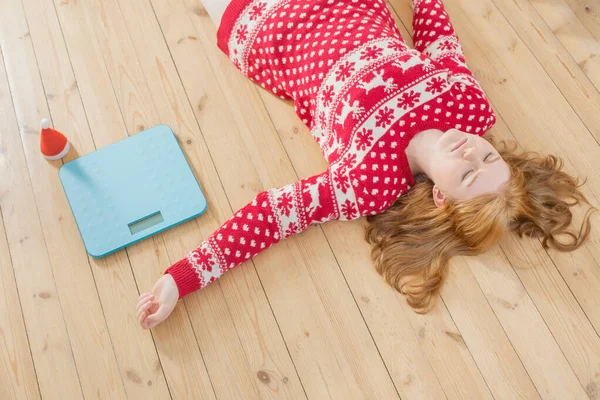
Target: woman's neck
{"x":418,"y":151}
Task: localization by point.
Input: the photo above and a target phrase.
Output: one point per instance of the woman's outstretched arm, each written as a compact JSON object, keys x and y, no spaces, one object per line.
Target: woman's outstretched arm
{"x":433,"y":35}
{"x":273,"y":215}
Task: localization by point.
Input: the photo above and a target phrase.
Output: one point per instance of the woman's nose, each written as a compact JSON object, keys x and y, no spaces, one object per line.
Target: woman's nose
{"x":468,"y":152}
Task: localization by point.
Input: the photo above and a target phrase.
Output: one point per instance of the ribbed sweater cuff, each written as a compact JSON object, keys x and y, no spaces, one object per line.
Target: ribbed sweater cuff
{"x":185,"y":277}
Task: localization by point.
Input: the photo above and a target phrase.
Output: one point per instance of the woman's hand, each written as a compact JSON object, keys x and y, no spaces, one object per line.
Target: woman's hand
{"x":154,"y":307}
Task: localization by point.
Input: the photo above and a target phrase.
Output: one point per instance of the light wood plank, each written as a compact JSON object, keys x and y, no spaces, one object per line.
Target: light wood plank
{"x":326,"y":321}
{"x":42,"y":313}
{"x":483,"y":335}
{"x":535,"y":344}
{"x":17,"y":374}
{"x":567,"y":322}
{"x":521,"y":19}
{"x":135,"y":352}
{"x":588,"y":12}
{"x":574,"y":36}
{"x":230,"y":348}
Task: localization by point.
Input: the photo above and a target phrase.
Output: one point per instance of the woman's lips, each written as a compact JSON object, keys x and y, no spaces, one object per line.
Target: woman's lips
{"x":459,"y":144}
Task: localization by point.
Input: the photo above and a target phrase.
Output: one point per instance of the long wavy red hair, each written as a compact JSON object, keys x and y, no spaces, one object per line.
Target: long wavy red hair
{"x":414,"y":240}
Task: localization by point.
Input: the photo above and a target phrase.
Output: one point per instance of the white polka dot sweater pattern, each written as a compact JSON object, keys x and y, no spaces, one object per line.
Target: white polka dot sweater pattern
{"x":362,"y":92}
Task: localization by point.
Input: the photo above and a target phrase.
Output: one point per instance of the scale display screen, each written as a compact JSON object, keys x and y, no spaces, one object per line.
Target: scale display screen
{"x":145,"y":223}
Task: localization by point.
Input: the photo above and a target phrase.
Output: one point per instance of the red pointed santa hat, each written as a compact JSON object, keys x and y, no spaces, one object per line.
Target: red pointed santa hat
{"x":53,"y":144}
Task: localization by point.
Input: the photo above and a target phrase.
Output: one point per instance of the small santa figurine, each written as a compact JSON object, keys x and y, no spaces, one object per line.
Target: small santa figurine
{"x":53,"y":144}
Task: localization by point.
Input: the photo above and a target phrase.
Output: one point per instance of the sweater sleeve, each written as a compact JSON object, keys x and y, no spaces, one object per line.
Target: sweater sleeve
{"x":434,"y":35}
{"x":273,"y":215}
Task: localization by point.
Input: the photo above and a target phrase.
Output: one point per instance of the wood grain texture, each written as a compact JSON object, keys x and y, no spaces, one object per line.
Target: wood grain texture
{"x":50,"y":347}
{"x":588,"y":11}
{"x":17,"y":374}
{"x":563,"y":24}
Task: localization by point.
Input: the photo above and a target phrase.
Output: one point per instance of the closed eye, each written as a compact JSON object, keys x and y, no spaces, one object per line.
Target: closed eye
{"x":466,"y":175}
{"x":488,"y":157}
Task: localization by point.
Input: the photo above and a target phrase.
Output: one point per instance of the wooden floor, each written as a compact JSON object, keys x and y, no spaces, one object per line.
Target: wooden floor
{"x":310,"y":318}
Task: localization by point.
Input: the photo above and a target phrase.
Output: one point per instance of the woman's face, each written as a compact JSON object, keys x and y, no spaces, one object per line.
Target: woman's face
{"x":464,"y":166}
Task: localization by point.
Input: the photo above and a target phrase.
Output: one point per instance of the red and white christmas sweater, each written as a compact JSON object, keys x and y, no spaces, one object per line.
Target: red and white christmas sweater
{"x":362,"y":92}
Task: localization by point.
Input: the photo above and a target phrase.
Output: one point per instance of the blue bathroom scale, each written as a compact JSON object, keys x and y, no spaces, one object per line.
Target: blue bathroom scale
{"x":131,"y":190}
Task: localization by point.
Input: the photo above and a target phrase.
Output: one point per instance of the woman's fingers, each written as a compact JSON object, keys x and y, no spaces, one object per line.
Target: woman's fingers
{"x":144,"y":307}
{"x":143,"y":298}
{"x":143,"y":316}
{"x":156,"y":318}
{"x":144,"y":295}
{"x":152,"y":320}
{"x":145,"y":321}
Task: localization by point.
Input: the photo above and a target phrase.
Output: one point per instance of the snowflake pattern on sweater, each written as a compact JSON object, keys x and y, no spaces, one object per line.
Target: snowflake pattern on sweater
{"x":362,"y":92}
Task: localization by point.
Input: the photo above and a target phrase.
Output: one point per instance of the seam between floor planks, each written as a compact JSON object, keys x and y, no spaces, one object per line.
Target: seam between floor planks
{"x":574,"y":20}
